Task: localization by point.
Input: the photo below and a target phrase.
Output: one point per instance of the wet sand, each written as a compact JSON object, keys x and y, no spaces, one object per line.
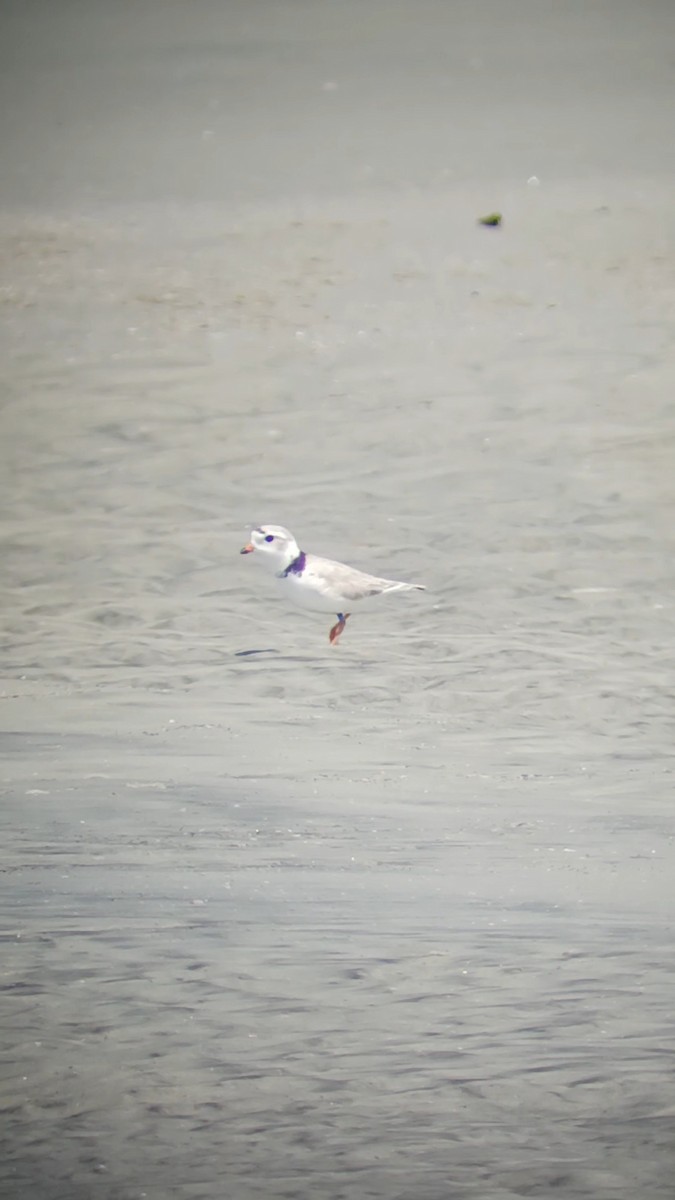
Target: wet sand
{"x":392,"y":919}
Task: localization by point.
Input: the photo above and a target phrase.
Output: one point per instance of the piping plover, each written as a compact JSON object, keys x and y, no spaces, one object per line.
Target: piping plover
{"x":318,"y":584}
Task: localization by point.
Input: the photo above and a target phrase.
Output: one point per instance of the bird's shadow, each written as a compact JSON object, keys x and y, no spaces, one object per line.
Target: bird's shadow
{"x":249,"y":653}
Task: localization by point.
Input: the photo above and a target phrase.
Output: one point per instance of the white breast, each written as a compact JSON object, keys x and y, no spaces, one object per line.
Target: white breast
{"x":309,"y":592}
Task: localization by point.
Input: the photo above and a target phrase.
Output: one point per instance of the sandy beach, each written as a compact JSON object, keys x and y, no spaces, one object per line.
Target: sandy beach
{"x":391,"y":920}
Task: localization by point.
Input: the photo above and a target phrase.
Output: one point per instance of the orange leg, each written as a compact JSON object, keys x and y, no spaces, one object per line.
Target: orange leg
{"x":338,"y":627}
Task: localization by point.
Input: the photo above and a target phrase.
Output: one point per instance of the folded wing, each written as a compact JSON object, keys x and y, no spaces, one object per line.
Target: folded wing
{"x":354,"y":585}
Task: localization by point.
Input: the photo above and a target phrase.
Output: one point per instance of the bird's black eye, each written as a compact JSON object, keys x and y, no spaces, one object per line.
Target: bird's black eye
{"x":269,"y":537}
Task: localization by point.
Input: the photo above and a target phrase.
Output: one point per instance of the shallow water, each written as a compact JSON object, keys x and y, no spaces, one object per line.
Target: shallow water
{"x":392,"y":918}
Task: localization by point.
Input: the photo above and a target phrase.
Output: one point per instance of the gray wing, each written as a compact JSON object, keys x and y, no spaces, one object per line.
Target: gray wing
{"x":353,"y":584}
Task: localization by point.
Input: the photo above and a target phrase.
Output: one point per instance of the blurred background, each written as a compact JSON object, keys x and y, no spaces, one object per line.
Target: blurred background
{"x":392,"y":918}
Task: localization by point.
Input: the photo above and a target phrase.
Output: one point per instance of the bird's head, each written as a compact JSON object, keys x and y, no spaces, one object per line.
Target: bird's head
{"x":274,"y":545}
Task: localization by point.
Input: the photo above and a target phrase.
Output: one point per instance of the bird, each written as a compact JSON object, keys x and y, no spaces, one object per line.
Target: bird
{"x":314,"y":583}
